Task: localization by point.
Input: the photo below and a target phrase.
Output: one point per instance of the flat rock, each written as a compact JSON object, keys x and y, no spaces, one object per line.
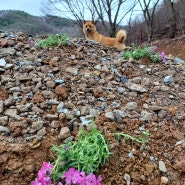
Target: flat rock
{"x":137,"y":88}
{"x":64,"y":133}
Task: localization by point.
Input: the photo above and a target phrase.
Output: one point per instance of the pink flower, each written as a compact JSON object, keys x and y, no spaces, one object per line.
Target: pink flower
{"x":44,"y":181}
{"x":45,"y":170}
{"x":83,"y":178}
{"x":31,"y":42}
{"x":43,"y":175}
{"x":163,"y":55}
{"x":72,"y":176}
{"x":59,"y":183}
{"x":91,"y":180}
{"x":99,"y":179}
{"x":47,"y":166}
{"x":36,"y":183}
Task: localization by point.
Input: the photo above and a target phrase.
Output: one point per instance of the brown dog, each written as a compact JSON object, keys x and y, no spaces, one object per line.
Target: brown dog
{"x":90,"y":32}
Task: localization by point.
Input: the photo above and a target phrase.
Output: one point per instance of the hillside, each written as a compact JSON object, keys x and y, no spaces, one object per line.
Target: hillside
{"x":16,"y":21}
{"x":46,"y":94}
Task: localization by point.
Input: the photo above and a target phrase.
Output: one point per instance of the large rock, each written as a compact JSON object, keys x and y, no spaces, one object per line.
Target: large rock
{"x":64,"y":133}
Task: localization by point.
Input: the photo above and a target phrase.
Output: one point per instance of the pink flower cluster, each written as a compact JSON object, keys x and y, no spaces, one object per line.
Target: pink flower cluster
{"x":43,"y":175}
{"x":74,"y":177}
{"x":32,"y":42}
{"x":71,"y":177}
{"x":163,"y":56}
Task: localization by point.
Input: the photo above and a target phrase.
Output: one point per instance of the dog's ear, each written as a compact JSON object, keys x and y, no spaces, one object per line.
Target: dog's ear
{"x":92,"y":21}
{"x":84,"y":21}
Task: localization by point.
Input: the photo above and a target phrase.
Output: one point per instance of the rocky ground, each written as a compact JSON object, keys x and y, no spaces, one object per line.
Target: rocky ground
{"x":47,"y":95}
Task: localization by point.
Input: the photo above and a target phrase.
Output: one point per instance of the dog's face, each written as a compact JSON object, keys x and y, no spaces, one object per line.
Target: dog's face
{"x":89,"y":27}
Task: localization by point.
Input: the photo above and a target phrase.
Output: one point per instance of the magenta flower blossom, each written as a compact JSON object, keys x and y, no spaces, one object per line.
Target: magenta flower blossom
{"x":163,"y":56}
{"x":99,"y":179}
{"x":72,"y":176}
{"x":46,"y":166}
{"x":45,"y":170}
{"x":36,"y":183}
{"x":31,"y":42}
{"x":59,"y":183}
{"x":91,"y":179}
{"x":75,"y":177}
{"x":44,"y":175}
{"x":42,"y":181}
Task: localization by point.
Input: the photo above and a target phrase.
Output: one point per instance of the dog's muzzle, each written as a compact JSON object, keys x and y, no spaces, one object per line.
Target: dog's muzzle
{"x":88,"y":30}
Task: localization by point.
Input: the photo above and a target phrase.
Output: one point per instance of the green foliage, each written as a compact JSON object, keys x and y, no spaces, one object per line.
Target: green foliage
{"x":156,"y":57}
{"x":139,"y":52}
{"x":142,"y":139}
{"x":86,"y":154}
{"x":54,"y":40}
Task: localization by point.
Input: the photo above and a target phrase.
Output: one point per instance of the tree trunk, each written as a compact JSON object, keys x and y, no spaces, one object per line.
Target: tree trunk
{"x":171,"y":18}
{"x":149,"y":31}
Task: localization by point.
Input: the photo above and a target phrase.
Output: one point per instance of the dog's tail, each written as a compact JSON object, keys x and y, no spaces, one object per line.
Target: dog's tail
{"x":121,"y":36}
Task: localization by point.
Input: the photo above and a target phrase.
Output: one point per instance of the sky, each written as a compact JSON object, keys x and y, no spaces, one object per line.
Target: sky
{"x":32,"y":7}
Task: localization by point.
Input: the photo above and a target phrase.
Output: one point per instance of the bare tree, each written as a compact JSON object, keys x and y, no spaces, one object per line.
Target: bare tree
{"x":179,"y":7}
{"x":72,"y":9}
{"x":171,"y":17}
{"x":148,"y":8}
{"x":111,"y":11}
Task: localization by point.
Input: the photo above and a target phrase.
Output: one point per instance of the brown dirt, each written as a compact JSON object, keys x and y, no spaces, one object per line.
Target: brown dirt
{"x":175,"y":46}
{"x":141,"y":167}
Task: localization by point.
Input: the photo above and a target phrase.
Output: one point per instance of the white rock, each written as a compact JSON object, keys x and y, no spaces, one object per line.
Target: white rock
{"x":131,"y":105}
{"x":2,"y":62}
{"x":162,"y":166}
{"x":98,"y":67}
{"x":1,"y":106}
{"x":4,"y":129}
{"x":137,"y":88}
{"x":127,"y":178}
{"x":9,"y":66}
